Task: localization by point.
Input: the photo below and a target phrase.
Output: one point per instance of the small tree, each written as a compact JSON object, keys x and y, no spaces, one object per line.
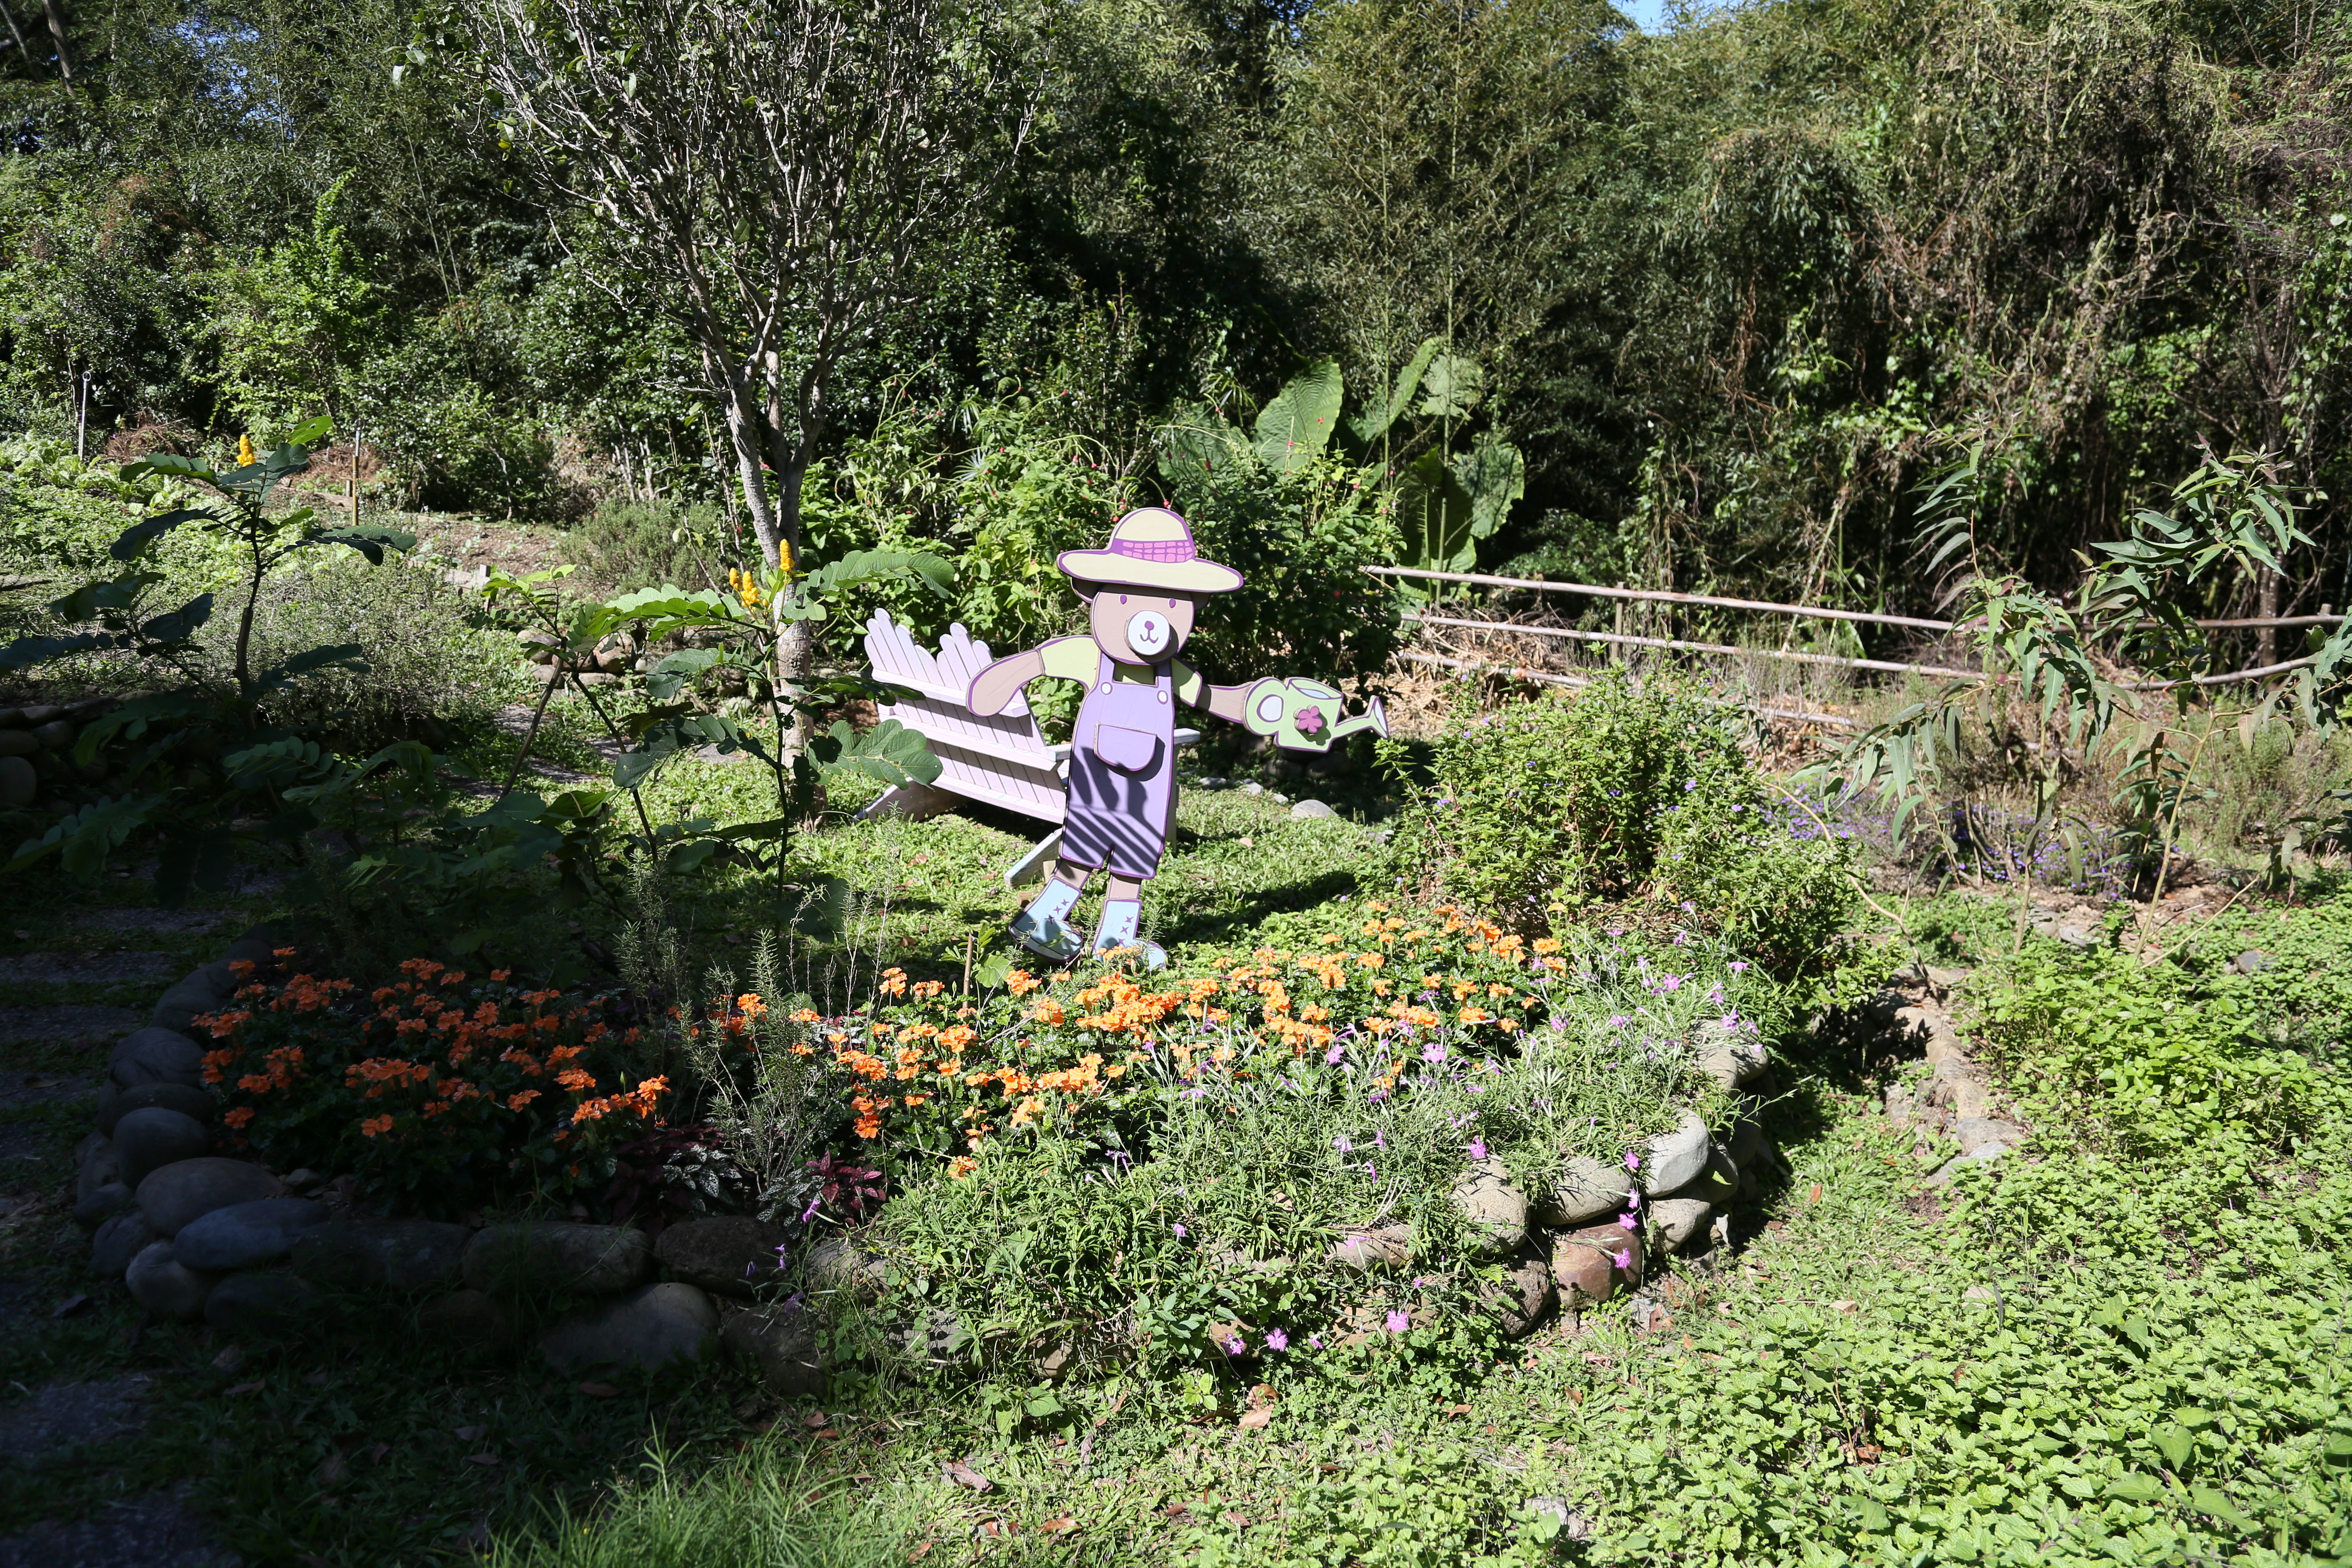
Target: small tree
{"x":767,"y":172}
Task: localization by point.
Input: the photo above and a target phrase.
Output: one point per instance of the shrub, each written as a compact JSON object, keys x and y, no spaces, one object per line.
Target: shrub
{"x":437,"y":1095}
{"x":628,"y":544}
{"x":427,"y":663}
{"x":1536,"y":810}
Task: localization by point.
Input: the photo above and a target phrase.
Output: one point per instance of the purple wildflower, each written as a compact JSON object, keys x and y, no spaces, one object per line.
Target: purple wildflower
{"x":1341,"y":1144}
{"x":1633,"y":1160}
{"x":1398,"y":1322}
{"x":1332,"y":1056}
{"x":1277,"y":1341}
{"x":1235,"y":1347}
{"x":1180,"y":1232}
{"x":1433,"y":1052}
{"x":1477,"y":1148}
{"x":1622,"y":1259}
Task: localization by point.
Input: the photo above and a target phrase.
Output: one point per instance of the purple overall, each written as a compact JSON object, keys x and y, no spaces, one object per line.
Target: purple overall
{"x":1122,"y":785}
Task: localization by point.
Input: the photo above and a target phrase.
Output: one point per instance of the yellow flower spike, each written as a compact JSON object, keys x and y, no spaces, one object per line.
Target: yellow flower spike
{"x":245,"y":458}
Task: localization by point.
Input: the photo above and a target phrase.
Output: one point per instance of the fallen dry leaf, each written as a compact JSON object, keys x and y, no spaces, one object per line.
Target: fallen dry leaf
{"x":1843,"y":1306}
{"x":332,"y":1469}
{"x":1253,"y":1419}
{"x":995,"y":1528}
{"x":244,"y":1388}
{"x":1239,"y":1521}
{"x":599,"y":1390}
{"x":813,"y":1419}
{"x":1058,"y":1526}
{"x":922,"y":1549}
{"x":1813,"y":1194}
{"x":1262,"y":1395}
{"x":70,"y":1306}
{"x":963,"y":1475}
{"x":483,"y":1459}
{"x":468,"y":1433}
{"x":228,"y":1360}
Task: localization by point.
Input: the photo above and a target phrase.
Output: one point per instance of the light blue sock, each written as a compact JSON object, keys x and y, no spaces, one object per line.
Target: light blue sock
{"x":1043,"y":928}
{"x":1121,"y":918}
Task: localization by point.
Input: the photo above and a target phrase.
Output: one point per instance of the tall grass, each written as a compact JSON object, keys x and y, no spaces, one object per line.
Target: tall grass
{"x":753,"y":1513}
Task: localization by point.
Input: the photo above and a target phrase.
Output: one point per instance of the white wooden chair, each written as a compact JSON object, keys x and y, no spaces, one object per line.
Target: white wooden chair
{"x":1000,"y":760}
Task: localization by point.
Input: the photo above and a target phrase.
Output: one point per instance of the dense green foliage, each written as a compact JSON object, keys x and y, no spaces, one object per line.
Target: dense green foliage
{"x":1724,"y":287}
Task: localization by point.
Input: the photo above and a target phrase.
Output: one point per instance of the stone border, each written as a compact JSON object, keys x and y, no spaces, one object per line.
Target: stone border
{"x":1957,"y":1096}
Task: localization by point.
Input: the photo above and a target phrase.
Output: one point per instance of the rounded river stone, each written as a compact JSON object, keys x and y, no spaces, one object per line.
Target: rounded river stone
{"x":550,"y":1257}
{"x":262,"y":1306}
{"x":245,"y":1235}
{"x":1673,"y":1161}
{"x":651,"y":1326}
{"x":150,"y":1139}
{"x":185,"y":1099}
{"x":120,"y":1240}
{"x":175,"y":1194}
{"x":152,"y":1056}
{"x":729,"y":1255}
{"x":409,"y":1256}
{"x":161,"y":1284}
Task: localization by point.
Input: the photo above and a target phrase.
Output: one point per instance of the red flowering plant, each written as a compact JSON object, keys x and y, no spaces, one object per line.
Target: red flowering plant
{"x":437,"y":1094}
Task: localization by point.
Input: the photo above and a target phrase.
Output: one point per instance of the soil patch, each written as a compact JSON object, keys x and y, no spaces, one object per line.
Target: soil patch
{"x":152,"y":1531}
{"x":72,"y":1025}
{"x":85,"y":968}
{"x":63,"y":1417}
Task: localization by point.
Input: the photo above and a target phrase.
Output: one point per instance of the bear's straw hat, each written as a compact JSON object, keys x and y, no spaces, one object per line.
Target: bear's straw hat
{"x":1151,"y":547}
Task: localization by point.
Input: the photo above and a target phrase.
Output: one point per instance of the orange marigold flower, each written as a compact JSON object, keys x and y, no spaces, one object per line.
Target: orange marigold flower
{"x":959,"y":1167}
{"x":576,"y":1079}
{"x":376,"y":1126}
{"x":1021,"y":982}
{"x":238,"y":1117}
{"x":869,"y":1127}
{"x":521,"y":1098}
{"x":807,"y":1015}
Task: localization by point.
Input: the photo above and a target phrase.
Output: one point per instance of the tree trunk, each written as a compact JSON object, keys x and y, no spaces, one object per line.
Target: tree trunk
{"x":18,"y":33}
{"x":744,"y":435}
{"x":58,"y":31}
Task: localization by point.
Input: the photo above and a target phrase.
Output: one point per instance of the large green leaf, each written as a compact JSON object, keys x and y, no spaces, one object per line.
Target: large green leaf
{"x":888,"y":753}
{"x":1451,"y":387}
{"x":1492,"y":475}
{"x":169,"y":463}
{"x":1374,"y":422}
{"x":135,"y":539}
{"x":1294,"y":428}
{"x":1433,"y":514}
{"x":369,"y":539}
{"x":180,"y":625}
{"x":26,"y":651}
{"x":1200,"y":442}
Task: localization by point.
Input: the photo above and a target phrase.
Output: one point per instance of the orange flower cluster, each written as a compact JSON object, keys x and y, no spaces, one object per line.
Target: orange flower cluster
{"x":458,"y":1082}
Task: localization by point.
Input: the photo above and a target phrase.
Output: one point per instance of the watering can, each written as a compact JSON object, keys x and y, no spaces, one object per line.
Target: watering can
{"x":1305,"y":715}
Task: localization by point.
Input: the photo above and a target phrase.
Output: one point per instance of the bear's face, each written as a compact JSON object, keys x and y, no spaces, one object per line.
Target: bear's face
{"x":1134,"y":626}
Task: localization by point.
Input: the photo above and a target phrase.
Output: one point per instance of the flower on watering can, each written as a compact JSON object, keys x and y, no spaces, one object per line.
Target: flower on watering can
{"x":1309,"y":720}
